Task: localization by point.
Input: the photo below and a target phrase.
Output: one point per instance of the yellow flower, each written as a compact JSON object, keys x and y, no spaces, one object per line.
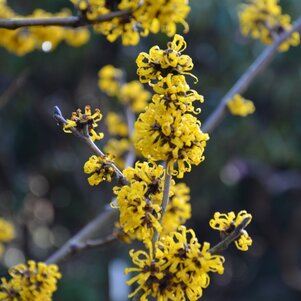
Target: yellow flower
{"x":134,"y":95}
{"x":174,"y":91}
{"x":77,"y":37}
{"x":139,"y":201}
{"x":82,"y":122}
{"x":139,"y":217}
{"x":7,"y":233}
{"x":151,"y":174}
{"x":91,"y":8}
{"x":30,"y":281}
{"x":240,"y":106}
{"x":155,"y":65}
{"x":263,"y":19}
{"x":110,"y":80}
{"x":169,"y":14}
{"x":144,"y":17}
{"x":116,"y":125}
{"x":100,"y":169}
{"x":227,"y":222}
{"x":175,"y":269}
{"x":163,"y":133}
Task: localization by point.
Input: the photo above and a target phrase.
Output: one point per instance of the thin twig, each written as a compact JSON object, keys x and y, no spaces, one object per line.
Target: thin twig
{"x":89,"y":245}
{"x":80,"y":241}
{"x":71,"y":21}
{"x":16,"y":85}
{"x":131,"y":155}
{"x":57,"y":115}
{"x":246,"y":79}
{"x":165,"y":198}
{"x":230,"y":238}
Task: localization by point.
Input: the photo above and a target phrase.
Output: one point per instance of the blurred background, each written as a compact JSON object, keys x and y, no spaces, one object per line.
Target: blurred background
{"x":252,"y":163}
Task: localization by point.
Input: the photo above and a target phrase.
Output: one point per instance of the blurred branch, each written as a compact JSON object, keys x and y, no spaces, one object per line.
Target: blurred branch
{"x":131,"y":155}
{"x":72,"y":21}
{"x":223,"y":245}
{"x":15,"y":85}
{"x":81,"y":241}
{"x":246,"y":79}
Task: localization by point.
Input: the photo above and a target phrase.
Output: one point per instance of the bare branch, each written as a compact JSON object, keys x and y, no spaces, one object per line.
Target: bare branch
{"x":16,"y":85}
{"x":81,"y":241}
{"x":230,"y":238}
{"x":57,"y":115}
{"x":246,"y":79}
{"x":165,"y":199}
{"x":71,"y":21}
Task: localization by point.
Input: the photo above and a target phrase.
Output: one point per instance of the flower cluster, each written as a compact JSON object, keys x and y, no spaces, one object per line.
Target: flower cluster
{"x":116,"y":126}
{"x":263,"y":19}
{"x":100,"y":168}
{"x":31,"y":281}
{"x":240,"y":106}
{"x":167,"y":130}
{"x":142,"y":18}
{"x":176,"y":269}
{"x":227,"y":222}
{"x":24,"y":40}
{"x":7,"y":233}
{"x":110,"y":79}
{"x":139,"y":201}
{"x":132,"y":94}
{"x":85,"y":123}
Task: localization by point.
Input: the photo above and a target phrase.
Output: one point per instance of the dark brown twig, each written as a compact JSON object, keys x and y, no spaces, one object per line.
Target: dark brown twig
{"x":230,"y":238}
{"x":71,"y":21}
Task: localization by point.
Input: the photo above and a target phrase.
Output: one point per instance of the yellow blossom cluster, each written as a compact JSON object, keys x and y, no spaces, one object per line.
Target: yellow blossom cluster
{"x":7,"y":233}
{"x":176,"y":268}
{"x":227,"y":222}
{"x":85,"y":123}
{"x":240,"y":106}
{"x":110,"y":80}
{"x":263,"y":19}
{"x":116,"y":126}
{"x":167,"y":130}
{"x":24,"y":40}
{"x":143,"y":17}
{"x":132,"y":94}
{"x":30,"y":282}
{"x":140,"y":201}
{"x":100,"y":168}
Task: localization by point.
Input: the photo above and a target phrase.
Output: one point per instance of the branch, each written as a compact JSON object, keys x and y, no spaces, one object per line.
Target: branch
{"x":130,"y":117}
{"x":246,"y":79}
{"x":165,"y":199}
{"x":72,"y":21}
{"x":80,"y":241}
{"x":241,"y":85}
{"x":230,"y":238}
{"x":16,"y":85}
{"x":57,"y":115}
